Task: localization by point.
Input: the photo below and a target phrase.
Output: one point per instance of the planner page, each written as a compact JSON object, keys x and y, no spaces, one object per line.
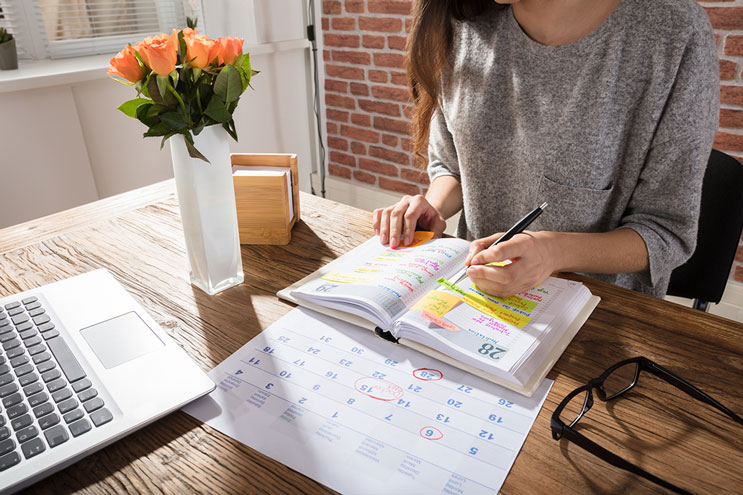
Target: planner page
{"x":363,"y":415}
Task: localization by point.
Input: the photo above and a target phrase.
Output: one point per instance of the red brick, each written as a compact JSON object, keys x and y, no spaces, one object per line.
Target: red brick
{"x":392,"y":125}
{"x":337,"y":115}
{"x":361,"y":119}
{"x":373,"y":41}
{"x":331,"y":7}
{"x":338,"y":157}
{"x":382,"y":24}
{"x":325,"y":23}
{"x":366,"y":177}
{"x":728,"y":70}
{"x":406,"y":144}
{"x":359,"y":58}
{"x":344,"y":23}
{"x":387,"y":93}
{"x":389,"y":140}
{"x":389,"y":6}
{"x":326,"y":55}
{"x":728,"y":18}
{"x":728,"y":141}
{"x":419,"y":176}
{"x":333,"y":100}
{"x":733,"y":45}
{"x":355,"y":6}
{"x":377,"y":76}
{"x":337,"y":143}
{"x":731,"y":118}
{"x":396,"y":42}
{"x":332,"y":128}
{"x":336,"y":86}
{"x":739,"y":254}
{"x":737,"y":274}
{"x":372,"y":106}
{"x":378,"y":167}
{"x":358,"y":148}
{"x":339,"y":171}
{"x":360,"y":134}
{"x":359,"y":89}
{"x":345,"y":72}
{"x":390,"y":155}
{"x":732,"y":95}
{"x":399,"y":78}
{"x":393,"y":60}
{"x":398,"y":186}
{"x":343,"y":40}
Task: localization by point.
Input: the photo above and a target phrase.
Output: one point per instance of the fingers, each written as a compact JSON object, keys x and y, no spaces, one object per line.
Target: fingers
{"x":508,"y":250}
{"x":396,"y":224}
{"x":376,"y":219}
{"x":416,"y":209}
{"x":384,"y":226}
{"x":480,"y":245}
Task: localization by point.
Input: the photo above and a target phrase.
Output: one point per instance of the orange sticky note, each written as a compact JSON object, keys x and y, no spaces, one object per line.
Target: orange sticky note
{"x":420,"y":237}
{"x":437,"y":302}
{"x":439,"y":322}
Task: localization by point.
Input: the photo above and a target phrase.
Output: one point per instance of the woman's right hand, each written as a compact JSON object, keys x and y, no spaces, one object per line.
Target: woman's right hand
{"x":396,"y":224}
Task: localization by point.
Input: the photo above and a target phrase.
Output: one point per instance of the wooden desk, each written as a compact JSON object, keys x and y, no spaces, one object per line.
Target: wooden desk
{"x":137,"y":236}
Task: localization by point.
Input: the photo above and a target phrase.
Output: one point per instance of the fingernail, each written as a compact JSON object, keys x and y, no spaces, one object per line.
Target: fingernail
{"x":393,"y":241}
{"x":407,"y":240}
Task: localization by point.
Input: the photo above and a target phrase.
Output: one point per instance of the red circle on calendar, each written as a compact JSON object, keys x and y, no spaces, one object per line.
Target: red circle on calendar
{"x":428,"y":374}
{"x":431,"y":433}
{"x":378,"y":389}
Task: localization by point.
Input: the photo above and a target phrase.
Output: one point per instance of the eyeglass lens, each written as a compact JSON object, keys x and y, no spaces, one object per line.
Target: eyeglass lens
{"x":620,"y":380}
{"x":572,"y":411}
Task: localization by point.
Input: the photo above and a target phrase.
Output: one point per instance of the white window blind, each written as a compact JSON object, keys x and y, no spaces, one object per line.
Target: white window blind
{"x":71,"y":28}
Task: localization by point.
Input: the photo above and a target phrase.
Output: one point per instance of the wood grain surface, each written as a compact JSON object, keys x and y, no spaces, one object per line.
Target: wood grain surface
{"x":138,"y":238}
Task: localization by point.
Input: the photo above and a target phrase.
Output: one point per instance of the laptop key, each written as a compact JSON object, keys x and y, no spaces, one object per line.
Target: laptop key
{"x":33,"y":341}
{"x":35,"y":349}
{"x":33,"y":389}
{"x":73,"y":416}
{"x":12,"y":305}
{"x":43,"y":409}
{"x":46,"y":366}
{"x":12,"y":400}
{"x":38,"y":399}
{"x":51,"y":375}
{"x":9,"y":460}
{"x":56,"y":385}
{"x":22,"y":422}
{"x":23,"y":370}
{"x":17,"y":410}
{"x":93,"y":404}
{"x":5,"y":432}
{"x":36,"y":312}
{"x":28,"y":379}
{"x":81,"y":385}
{"x":11,"y":344}
{"x":15,"y":311}
{"x":8,"y":389}
{"x":32,"y":306}
{"x":57,"y":435}
{"x":87,"y":394}
{"x":101,"y":417}
{"x":6,"y":382}
{"x":67,"y":406}
{"x":6,"y":446}
{"x":14,"y":353}
{"x":67,"y":360}
{"x":41,"y":319}
{"x":42,"y":357}
{"x":50,"y":334}
{"x":27,"y":334}
{"x":48,"y":421}
{"x":45,"y":327}
{"x":29,"y":300}
{"x":4,"y":368}
{"x":32,"y":448}
{"x":27,"y":434}
{"x":18,"y":319}
{"x":79,"y":427}
{"x":20,"y":360}
{"x":24,"y":326}
{"x":7,"y":336}
{"x":61,"y":395}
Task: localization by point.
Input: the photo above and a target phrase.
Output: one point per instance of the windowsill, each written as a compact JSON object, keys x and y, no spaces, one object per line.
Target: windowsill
{"x":32,"y":74}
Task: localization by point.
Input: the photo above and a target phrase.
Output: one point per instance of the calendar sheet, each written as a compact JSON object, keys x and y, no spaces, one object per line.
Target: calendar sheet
{"x":365,"y":416}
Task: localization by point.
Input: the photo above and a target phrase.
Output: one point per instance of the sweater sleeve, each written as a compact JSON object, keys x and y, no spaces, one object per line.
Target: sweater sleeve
{"x":664,"y":207}
{"x":442,"y":154}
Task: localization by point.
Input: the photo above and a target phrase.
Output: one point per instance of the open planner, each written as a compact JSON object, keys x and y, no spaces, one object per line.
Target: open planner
{"x":404,"y":296}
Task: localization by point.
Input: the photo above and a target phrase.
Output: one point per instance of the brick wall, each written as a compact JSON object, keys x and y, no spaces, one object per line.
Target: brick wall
{"x":367,"y":102}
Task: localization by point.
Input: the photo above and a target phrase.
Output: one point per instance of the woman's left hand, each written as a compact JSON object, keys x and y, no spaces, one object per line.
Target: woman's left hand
{"x":532,"y":260}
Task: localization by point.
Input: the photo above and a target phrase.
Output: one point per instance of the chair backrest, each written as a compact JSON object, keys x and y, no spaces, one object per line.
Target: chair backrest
{"x":706,"y":273}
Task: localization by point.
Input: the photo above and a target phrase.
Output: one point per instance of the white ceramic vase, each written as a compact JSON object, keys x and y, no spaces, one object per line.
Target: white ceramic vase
{"x":207,"y":200}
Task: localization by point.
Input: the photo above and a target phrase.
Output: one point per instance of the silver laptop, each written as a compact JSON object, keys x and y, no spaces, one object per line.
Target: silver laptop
{"x":81,"y":365}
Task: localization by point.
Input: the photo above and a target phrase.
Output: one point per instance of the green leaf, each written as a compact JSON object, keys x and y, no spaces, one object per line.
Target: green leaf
{"x":217,"y":110}
{"x":182,"y":46}
{"x":230,"y":128}
{"x":130,"y":107}
{"x":228,"y":84}
{"x":247,"y":71}
{"x":194,"y":153}
{"x":143,"y":116}
{"x":175,"y":120}
{"x":153,"y":90}
{"x":162,"y":85}
{"x":159,"y":129}
{"x":166,"y":137}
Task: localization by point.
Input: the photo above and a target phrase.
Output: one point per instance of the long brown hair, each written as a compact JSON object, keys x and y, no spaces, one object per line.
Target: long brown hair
{"x":429,"y":44}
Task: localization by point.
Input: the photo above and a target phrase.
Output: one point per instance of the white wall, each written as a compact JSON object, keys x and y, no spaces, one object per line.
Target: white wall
{"x":63,"y":143}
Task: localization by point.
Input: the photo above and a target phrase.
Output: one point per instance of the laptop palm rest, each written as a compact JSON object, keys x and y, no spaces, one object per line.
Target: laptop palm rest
{"x":121,"y":339}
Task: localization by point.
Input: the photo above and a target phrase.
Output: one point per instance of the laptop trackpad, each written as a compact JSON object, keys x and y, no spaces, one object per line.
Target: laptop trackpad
{"x":121,"y":339}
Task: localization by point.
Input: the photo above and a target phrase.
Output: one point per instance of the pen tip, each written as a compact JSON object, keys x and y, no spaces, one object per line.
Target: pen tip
{"x":544,"y":205}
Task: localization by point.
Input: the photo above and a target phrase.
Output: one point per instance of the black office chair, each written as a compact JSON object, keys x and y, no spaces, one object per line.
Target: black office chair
{"x":704,"y":276}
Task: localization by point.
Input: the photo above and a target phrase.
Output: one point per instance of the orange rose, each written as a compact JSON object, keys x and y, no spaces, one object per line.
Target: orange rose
{"x":200,"y":50}
{"x":186,"y":33}
{"x":229,"y":49}
{"x":159,"y":53}
{"x":126,"y":65}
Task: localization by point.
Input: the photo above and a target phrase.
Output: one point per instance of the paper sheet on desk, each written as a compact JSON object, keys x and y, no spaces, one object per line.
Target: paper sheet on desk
{"x":363,"y":415}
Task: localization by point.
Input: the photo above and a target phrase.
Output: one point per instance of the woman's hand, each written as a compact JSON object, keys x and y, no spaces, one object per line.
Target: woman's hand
{"x":532,"y":256}
{"x":396,"y":224}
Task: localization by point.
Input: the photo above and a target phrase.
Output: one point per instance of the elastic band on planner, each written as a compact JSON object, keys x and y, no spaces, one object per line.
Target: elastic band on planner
{"x":385,"y":335}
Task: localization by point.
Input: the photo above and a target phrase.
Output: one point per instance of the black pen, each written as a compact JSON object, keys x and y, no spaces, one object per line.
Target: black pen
{"x":516,"y":229}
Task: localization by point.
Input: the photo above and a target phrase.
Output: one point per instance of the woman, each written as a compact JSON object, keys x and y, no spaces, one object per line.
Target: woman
{"x":606,"y":109}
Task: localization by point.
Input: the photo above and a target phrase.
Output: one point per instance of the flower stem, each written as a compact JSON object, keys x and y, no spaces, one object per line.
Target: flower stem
{"x":180,"y":101}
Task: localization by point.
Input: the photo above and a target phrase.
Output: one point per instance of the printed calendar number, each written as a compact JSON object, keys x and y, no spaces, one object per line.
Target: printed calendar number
{"x":494,"y":352}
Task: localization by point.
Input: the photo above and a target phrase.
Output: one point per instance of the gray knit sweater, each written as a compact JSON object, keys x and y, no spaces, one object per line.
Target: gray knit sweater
{"x":613,"y":130}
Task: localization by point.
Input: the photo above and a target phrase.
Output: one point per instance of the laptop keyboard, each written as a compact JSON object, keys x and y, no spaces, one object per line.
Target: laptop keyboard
{"x":45,"y":397}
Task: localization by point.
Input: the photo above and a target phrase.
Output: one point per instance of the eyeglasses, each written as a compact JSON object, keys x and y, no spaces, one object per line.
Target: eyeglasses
{"x":612,"y":383}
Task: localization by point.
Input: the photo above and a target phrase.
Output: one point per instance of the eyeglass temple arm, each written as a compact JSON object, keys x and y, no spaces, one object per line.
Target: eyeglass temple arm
{"x":617,"y":461}
{"x":690,"y":389}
